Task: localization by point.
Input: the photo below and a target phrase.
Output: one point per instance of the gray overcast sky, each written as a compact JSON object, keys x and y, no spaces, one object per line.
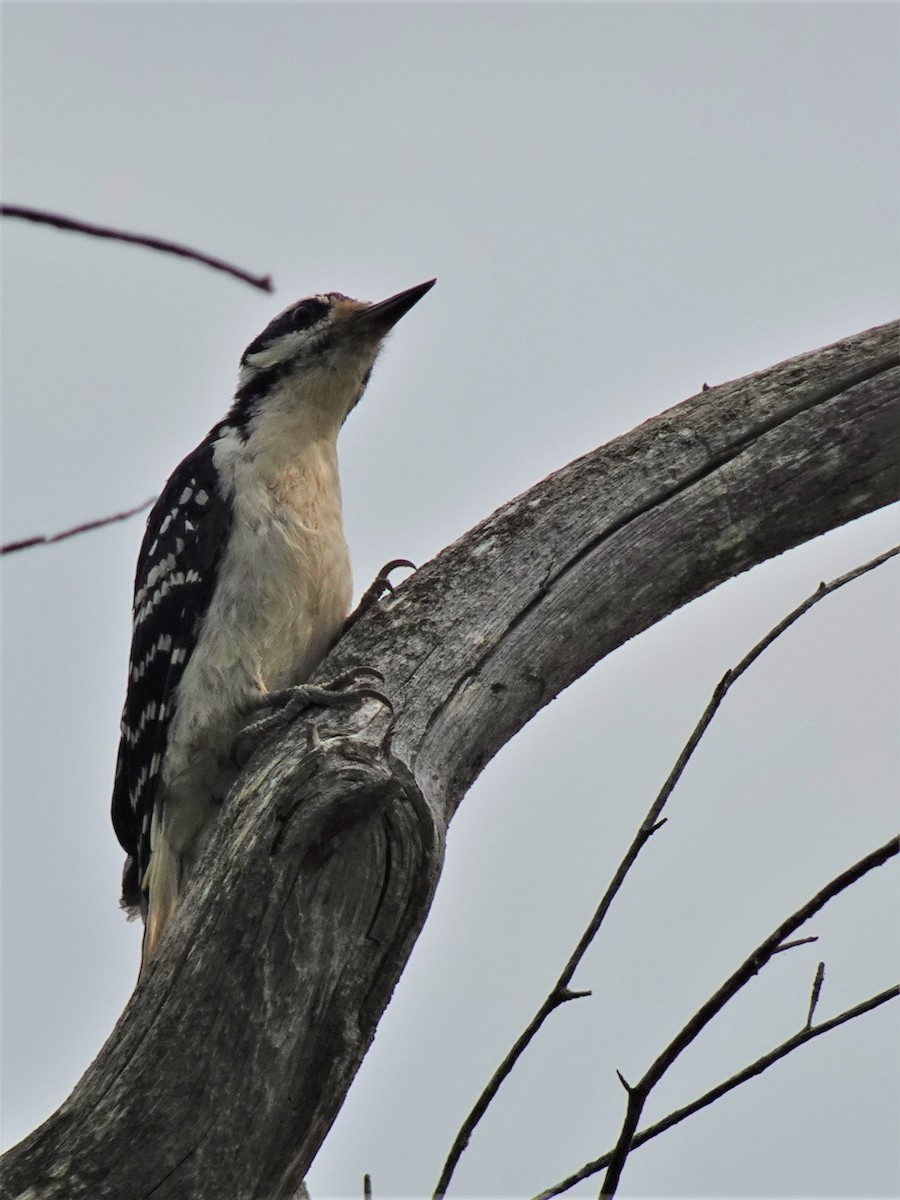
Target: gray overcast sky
{"x":620,"y":202}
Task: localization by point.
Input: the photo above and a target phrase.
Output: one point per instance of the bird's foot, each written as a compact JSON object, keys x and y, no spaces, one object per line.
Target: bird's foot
{"x":290,"y":702}
{"x":380,"y":586}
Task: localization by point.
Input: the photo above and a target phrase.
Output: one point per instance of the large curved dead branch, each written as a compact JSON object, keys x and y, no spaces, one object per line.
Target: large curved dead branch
{"x":231,"y":1061}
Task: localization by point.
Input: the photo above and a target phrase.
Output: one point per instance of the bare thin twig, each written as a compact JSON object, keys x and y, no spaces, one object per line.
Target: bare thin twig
{"x":560,"y":993}
{"x":755,"y":961}
{"x":263,"y":282}
{"x":731,"y":676}
{"x":45,"y":539}
{"x":805,"y":941}
{"x":815,"y":994}
{"x":749,"y":1072}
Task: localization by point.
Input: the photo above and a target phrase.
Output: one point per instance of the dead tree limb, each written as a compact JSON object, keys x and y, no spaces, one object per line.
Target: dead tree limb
{"x":231,"y":1061}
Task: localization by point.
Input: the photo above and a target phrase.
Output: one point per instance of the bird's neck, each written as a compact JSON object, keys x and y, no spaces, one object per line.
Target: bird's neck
{"x":289,"y":454}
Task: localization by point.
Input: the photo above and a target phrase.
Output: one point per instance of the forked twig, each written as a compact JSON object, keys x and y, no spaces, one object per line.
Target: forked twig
{"x":263,"y":282}
{"x":752,"y":964}
{"x":749,"y":1072}
{"x":561,"y":992}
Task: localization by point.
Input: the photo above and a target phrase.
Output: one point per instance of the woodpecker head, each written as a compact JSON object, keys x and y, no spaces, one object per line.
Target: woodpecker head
{"x":315,"y":358}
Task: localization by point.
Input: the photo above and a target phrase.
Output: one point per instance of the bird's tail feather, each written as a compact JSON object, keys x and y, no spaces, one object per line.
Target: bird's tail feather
{"x":161,"y":883}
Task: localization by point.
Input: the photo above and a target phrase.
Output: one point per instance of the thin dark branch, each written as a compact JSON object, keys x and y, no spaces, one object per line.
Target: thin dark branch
{"x":46,"y":539}
{"x":263,"y":282}
{"x":815,"y":993}
{"x":731,"y":676}
{"x":756,"y":1068}
{"x":652,"y":821}
{"x":638,"y":1094}
{"x":560,"y":995}
{"x":804,"y":941}
{"x":824,"y":589}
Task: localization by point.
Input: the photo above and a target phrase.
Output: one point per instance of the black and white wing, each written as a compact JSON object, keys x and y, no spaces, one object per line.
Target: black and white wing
{"x":176,"y":575}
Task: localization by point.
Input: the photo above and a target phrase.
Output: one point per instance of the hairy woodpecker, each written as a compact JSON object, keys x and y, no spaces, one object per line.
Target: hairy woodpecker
{"x":243,"y":585}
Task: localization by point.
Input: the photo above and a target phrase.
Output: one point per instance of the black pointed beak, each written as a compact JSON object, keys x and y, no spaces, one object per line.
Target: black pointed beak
{"x":384,"y":316}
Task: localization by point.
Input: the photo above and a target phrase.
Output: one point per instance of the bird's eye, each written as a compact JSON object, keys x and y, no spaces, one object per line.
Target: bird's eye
{"x":293,"y":320}
{"x":306,"y":314}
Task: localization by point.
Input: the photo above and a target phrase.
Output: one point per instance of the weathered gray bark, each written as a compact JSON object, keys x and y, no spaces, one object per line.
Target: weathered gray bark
{"x":231,"y":1061}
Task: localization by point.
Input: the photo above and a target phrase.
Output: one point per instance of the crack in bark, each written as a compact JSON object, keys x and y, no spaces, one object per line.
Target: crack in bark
{"x":177,"y":1167}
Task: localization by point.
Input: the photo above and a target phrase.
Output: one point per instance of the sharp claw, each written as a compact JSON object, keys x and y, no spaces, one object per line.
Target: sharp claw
{"x":376,"y":590}
{"x":394,"y":565}
{"x":372,"y":694}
